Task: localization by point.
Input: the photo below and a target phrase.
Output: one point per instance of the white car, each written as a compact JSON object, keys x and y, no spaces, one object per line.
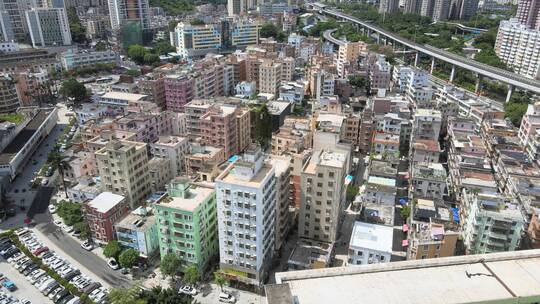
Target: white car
{"x":188,"y":290}
{"x":58,"y":223}
{"x":113,"y":264}
{"x":52,"y":209}
{"x":67,"y":228}
{"x":87,"y":246}
{"x":226,"y":298}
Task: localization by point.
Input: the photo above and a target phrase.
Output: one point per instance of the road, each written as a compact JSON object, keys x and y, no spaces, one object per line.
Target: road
{"x":19,"y":192}
{"x":71,"y":249}
{"x":457,"y":60}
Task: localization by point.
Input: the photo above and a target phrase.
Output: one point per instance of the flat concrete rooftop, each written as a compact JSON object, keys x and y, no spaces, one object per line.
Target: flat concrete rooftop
{"x":506,"y":277}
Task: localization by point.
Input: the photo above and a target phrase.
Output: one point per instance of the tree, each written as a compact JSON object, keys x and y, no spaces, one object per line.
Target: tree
{"x":405,"y":212}
{"x":112,"y":249}
{"x":163,"y":48}
{"x":150,"y":58}
{"x":126,"y":295}
{"x":352,"y":191}
{"x":197,"y":22}
{"x":58,"y":162}
{"x":74,"y":90}
{"x":191,"y":274}
{"x":171,"y":265}
{"x":137,"y":52}
{"x":268,"y":30}
{"x":159,"y":295}
{"x":83,"y":229}
{"x":515,"y":111}
{"x":128,"y":258}
{"x":101,"y":46}
{"x":220,"y":279}
{"x":70,"y":212}
{"x":78,"y":32}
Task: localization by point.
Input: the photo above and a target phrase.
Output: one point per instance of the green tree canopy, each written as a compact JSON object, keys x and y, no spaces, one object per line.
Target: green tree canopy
{"x":75,"y":90}
{"x":78,"y":31}
{"x":58,"y":162}
{"x":126,"y":295}
{"x":137,"y":52}
{"x":221,"y":279}
{"x":171,"y":265}
{"x":112,"y":249}
{"x":84,"y":229}
{"x":70,"y":212}
{"x":191,"y":274}
{"x":128,"y":258}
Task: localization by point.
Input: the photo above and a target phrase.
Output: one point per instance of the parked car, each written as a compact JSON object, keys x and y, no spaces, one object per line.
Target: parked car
{"x":113,"y":264}
{"x":186,"y":289}
{"x":87,"y":245}
{"x":226,"y":298}
{"x":52,"y":209}
{"x":9,"y":285}
{"x":40,"y":250}
{"x":60,"y":295}
{"x":58,"y":223}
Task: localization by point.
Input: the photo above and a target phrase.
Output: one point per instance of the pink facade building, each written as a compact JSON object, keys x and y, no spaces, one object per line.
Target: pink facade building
{"x":226,"y":126}
{"x":179,"y":90}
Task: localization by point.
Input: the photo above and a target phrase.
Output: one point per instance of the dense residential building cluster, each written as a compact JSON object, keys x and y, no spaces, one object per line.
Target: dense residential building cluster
{"x":248,"y":158}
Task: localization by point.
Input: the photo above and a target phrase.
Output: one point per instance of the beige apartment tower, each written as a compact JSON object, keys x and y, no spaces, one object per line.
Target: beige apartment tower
{"x":123,"y":167}
{"x":322,"y":195}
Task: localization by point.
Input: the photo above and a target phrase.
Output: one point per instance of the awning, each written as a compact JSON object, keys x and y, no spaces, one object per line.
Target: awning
{"x":405,"y":228}
{"x":405,"y":243}
{"x":455,"y":214}
{"x":403,"y":201}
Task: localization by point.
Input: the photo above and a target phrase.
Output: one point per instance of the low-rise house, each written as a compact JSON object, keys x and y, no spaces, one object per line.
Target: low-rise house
{"x":370,"y":244}
{"x":428,"y":181}
{"x":491,"y":223}
{"x":102,"y":213}
{"x":380,"y":190}
{"x":138,"y":230}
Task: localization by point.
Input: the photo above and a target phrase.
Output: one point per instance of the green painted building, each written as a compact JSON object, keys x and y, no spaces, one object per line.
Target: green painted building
{"x":187,"y":222}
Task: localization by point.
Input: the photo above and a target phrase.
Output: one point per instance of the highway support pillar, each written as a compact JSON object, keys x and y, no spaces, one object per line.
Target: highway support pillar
{"x":432,"y":65}
{"x":452,"y":73}
{"x":510,"y":91}
{"x":416,"y":57}
{"x":378,"y":38}
{"x":478,"y":84}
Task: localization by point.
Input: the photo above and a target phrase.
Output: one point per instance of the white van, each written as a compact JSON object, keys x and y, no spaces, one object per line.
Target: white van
{"x":226,"y":298}
{"x":46,"y":284}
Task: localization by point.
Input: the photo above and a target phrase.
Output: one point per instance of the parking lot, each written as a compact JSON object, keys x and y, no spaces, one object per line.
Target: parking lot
{"x":25,"y":290}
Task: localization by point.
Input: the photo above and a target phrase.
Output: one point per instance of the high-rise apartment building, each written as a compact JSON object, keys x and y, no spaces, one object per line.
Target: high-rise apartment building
{"x":219,"y":125}
{"x":123,"y":168}
{"x":528,"y":13}
{"x":269,"y":77}
{"x":519,"y":47}
{"x":236,"y":7}
{"x":9,"y":96}
{"x":244,"y":33}
{"x":441,"y":10}
{"x":48,"y":27}
{"x":388,"y":6}
{"x":323,"y":196}
{"x":6,"y":31}
{"x":348,"y":53}
{"x":187,"y":222}
{"x":173,"y":148}
{"x":16,"y":9}
{"x":413,"y":6}
{"x":282,"y":165}
{"x":426,"y":124}
{"x":124,"y":11}
{"x":246,"y":201}
{"x":197,"y":40}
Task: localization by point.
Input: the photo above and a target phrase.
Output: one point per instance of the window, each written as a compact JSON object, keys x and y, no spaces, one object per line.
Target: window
{"x":425,"y":248}
{"x":382,"y":258}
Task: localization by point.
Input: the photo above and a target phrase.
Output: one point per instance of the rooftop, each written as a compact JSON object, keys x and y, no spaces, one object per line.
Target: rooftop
{"x":195,"y":196}
{"x":308,"y":252}
{"x":425,"y":144}
{"x":461,"y":279}
{"x":105,"y":201}
{"x":22,"y":138}
{"x":372,"y":236}
{"x":136,"y":220}
{"x":124,"y":96}
{"x":383,"y":181}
